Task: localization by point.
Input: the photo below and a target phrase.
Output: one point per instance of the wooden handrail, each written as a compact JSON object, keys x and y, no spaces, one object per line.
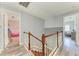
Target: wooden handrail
{"x":33,"y":36}
{"x":50,"y":34}
{"x":43,"y":40}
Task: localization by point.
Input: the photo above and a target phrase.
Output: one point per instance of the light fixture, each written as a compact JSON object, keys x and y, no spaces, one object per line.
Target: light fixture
{"x":25,"y":4}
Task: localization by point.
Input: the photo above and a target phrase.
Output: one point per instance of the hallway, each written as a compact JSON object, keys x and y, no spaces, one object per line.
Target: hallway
{"x":69,"y":48}
{"x":40,"y":21}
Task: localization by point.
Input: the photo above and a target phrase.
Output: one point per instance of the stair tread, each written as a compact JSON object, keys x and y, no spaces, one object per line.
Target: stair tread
{"x":37,"y":53}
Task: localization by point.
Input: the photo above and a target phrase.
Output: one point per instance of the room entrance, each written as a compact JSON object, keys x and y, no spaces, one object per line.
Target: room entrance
{"x":12,"y":29}
{"x":70,"y":27}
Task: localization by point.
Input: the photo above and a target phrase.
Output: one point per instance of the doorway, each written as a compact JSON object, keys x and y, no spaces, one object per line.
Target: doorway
{"x":69,"y":27}
{"x":12,"y":29}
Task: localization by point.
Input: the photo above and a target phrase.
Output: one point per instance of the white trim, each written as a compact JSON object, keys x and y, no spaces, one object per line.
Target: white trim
{"x":2,"y":48}
{"x":56,"y":50}
{"x":19,"y":15}
{"x":28,"y":50}
{"x":20,"y":29}
{"x":5,"y":23}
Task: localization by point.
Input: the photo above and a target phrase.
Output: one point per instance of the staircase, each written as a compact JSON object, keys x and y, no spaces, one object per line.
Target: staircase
{"x":45,"y":51}
{"x":14,"y":49}
{"x":37,"y":53}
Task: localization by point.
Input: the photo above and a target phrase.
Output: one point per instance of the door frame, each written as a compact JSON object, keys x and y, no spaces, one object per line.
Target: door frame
{"x":2,"y":40}
{"x":75,"y":21}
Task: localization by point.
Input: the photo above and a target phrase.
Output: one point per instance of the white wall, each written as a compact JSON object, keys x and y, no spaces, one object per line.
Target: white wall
{"x":56,"y":21}
{"x":32,"y":24}
{"x":52,"y":25}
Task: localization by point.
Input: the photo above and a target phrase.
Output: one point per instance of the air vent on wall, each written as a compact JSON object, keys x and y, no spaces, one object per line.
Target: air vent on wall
{"x":25,"y":4}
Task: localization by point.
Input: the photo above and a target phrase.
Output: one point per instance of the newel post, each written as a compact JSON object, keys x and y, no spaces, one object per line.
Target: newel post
{"x":57,"y":40}
{"x":62,"y":35}
{"x":29,"y":41}
{"x":43,"y":44}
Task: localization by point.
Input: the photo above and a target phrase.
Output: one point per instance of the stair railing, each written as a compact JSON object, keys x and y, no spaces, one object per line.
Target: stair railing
{"x":29,"y":43}
{"x":44,"y":39}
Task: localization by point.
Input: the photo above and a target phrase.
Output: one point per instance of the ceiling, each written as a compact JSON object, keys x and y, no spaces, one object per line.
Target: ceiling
{"x":45,"y":9}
